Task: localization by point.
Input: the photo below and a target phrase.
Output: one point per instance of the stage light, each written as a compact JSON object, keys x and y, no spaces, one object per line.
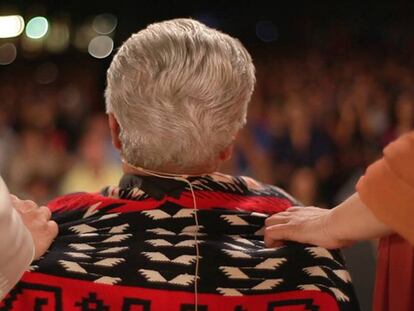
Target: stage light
{"x":11,"y":26}
{"x":104,"y":23}
{"x":37,"y":27}
{"x":266,"y":31}
{"x":8,"y":53}
{"x":101,"y":46}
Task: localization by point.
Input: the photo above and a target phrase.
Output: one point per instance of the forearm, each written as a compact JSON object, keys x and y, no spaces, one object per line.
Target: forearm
{"x":16,"y":245}
{"x":353,"y":221}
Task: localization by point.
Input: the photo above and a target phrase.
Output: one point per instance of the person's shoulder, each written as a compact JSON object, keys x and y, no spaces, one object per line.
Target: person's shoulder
{"x":265,"y":197}
{"x":75,"y":200}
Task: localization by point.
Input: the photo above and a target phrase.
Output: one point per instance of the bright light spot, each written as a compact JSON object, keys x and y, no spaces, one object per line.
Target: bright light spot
{"x":101,"y":46}
{"x":266,"y":31}
{"x":104,"y":24}
{"x":11,"y":26}
{"x":37,"y":27}
{"x":8,"y":53}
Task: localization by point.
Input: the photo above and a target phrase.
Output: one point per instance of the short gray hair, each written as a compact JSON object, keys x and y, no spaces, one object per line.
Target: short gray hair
{"x":179,"y":91}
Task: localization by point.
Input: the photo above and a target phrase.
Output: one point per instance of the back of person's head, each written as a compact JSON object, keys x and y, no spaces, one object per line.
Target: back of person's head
{"x":179,"y":91}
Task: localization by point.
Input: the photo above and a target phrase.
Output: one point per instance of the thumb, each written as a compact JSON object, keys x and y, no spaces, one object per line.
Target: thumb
{"x":274,"y":235}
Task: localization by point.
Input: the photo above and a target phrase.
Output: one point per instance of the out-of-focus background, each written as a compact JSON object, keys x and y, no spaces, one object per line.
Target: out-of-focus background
{"x":335,"y":84}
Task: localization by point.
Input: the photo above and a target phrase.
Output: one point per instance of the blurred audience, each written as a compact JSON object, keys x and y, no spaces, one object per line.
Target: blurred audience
{"x":317,"y":119}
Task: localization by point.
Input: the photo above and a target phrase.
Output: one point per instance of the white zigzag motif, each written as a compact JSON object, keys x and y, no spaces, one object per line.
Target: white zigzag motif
{"x":113,"y":250}
{"x":92,"y":210}
{"x":109,"y":262}
{"x":161,"y":231}
{"x":188,"y":243}
{"x":119,"y":229}
{"x":72,"y":266}
{"x":339,"y":294}
{"x":81,"y":246}
{"x":156,"y":277}
{"x":236,"y":254}
{"x":271,"y":263}
{"x":319,"y":252}
{"x":239,"y":239}
{"x":183,"y":259}
{"x":315,"y":271}
{"x":159,"y":242}
{"x":80,"y":229}
{"x":117,"y":238}
{"x":184,"y":213}
{"x":192,"y":231}
{"x":234,"y":220}
{"x":231,"y":292}
{"x":343,"y":275}
{"x":33,"y":268}
{"x":234,"y":273}
{"x":268,"y":284}
{"x":183,"y":279}
{"x":309,"y":287}
{"x":109,"y":216}
{"x":165,"y":243}
{"x":256,"y":214}
{"x":77,"y":255}
{"x":234,"y":246}
{"x":158,"y":214}
{"x":108,"y":280}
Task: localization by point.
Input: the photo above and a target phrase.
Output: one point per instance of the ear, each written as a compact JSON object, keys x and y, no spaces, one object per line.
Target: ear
{"x":115,"y":130}
{"x":226,"y":153}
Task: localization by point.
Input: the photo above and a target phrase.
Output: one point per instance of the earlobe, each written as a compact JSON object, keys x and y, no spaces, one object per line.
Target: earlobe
{"x":115,"y":131}
{"x":226,"y":153}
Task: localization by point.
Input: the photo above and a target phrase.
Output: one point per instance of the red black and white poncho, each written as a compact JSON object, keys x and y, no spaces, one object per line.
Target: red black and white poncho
{"x":132,"y":248}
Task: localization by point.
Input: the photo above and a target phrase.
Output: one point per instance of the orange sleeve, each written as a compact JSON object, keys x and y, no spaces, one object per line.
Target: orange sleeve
{"x":387,"y":187}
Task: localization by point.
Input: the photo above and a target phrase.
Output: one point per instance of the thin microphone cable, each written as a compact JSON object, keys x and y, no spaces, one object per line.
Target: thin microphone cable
{"x":195,"y":209}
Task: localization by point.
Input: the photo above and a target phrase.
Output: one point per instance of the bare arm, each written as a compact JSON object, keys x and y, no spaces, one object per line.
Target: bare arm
{"x":348,"y":222}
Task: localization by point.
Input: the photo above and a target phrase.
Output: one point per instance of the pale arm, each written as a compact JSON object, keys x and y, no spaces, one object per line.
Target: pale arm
{"x":348,"y":222}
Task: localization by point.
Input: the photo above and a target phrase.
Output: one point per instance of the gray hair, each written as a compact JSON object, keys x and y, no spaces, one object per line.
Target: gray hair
{"x":179,"y":91}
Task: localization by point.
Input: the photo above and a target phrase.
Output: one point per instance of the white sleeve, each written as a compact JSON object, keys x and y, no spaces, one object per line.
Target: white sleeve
{"x":16,"y":244}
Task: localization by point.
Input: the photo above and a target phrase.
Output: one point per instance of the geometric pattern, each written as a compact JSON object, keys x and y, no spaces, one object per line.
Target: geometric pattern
{"x":144,"y":237}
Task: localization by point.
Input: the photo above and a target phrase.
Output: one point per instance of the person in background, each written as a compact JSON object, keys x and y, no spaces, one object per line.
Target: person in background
{"x":382,"y":204}
{"x":26,"y":233}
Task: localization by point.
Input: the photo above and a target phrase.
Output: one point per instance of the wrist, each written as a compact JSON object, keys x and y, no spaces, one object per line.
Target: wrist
{"x":333,"y":231}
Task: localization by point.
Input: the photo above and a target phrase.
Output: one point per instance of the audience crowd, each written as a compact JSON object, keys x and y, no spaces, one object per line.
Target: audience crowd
{"x":316,"y":121}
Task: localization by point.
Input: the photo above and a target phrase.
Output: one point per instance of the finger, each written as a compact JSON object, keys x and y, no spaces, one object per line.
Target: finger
{"x":45,"y":212}
{"x":277,"y":219}
{"x":53,"y":228}
{"x":276,"y":233}
{"x":294,"y":208}
{"x":275,"y":244}
{"x":284,"y":213}
{"x":24,"y":207}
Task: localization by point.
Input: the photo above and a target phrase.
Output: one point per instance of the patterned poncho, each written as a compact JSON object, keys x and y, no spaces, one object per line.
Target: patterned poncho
{"x":133,"y":248}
